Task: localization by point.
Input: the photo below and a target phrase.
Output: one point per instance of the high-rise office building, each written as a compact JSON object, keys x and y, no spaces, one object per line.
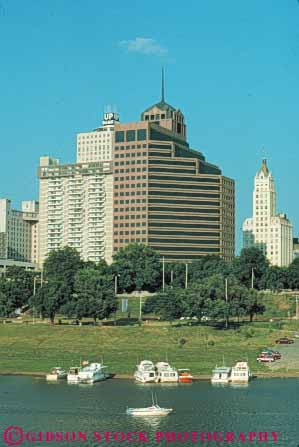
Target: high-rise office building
{"x":76,"y":199}
{"x":166,"y":194}
{"x":267,"y":230}
{"x":19,"y":233}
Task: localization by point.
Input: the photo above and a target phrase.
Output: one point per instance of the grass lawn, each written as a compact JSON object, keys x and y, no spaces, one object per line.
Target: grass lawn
{"x":38,"y":347}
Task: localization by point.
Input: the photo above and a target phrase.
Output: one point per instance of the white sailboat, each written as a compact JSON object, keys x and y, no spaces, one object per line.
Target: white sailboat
{"x":154,"y":410}
{"x":145,"y":372}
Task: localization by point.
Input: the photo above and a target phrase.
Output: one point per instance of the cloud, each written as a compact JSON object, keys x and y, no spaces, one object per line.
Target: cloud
{"x":143,"y":45}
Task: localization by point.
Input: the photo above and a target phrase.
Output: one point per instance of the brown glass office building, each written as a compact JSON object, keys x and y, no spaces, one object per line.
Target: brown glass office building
{"x":167,"y":195}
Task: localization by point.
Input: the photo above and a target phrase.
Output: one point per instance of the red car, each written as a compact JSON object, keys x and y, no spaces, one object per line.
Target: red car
{"x":275,"y":354}
{"x":284,"y":341}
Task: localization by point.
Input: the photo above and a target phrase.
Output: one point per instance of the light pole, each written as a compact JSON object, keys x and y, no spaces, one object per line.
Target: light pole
{"x":186,"y":277}
{"x":140,"y":306}
{"x":163,"y":273}
{"x":115,"y":291}
{"x":226,"y":300}
{"x":297,"y":308}
{"x":252,"y":277}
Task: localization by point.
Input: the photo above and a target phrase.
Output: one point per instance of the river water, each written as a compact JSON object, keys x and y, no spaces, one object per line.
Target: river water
{"x":269,"y":405}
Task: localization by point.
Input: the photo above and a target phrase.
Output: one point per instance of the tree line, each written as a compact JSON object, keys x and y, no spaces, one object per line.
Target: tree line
{"x":208,"y":287}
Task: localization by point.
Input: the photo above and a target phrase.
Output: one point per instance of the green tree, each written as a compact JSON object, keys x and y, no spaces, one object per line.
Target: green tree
{"x":60,"y":269}
{"x":168,"y":304}
{"x":93,"y":295}
{"x":138,"y":268}
{"x":293,"y":274}
{"x":251,"y":260}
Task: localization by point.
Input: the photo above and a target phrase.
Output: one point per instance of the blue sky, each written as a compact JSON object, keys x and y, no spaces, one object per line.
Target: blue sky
{"x":232,"y":67}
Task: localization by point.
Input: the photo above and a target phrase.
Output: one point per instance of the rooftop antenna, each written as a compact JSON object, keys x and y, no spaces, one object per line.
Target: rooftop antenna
{"x":163,"y":87}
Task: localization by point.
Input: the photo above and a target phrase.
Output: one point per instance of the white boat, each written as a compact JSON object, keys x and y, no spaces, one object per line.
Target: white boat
{"x":221,"y":374}
{"x":145,"y":372}
{"x":56,"y":373}
{"x":166,"y":373}
{"x":93,"y":373}
{"x":73,"y":374}
{"x":154,"y":410}
{"x":240,"y":373}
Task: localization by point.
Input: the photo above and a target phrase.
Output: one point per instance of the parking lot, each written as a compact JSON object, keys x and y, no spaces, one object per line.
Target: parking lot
{"x":290,"y":357}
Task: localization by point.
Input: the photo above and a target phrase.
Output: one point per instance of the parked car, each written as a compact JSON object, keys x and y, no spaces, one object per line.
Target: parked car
{"x":265,"y":358}
{"x":275,"y":354}
{"x":284,"y":341}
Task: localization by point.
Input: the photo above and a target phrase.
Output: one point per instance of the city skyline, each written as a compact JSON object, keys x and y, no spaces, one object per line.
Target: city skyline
{"x":238,"y":95}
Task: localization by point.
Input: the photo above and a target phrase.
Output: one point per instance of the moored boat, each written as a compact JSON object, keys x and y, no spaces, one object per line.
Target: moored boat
{"x":240,"y":373}
{"x":185,"y":375}
{"x":93,"y":373}
{"x":166,"y":373}
{"x":221,"y":374}
{"x":73,"y":374}
{"x":56,"y":373}
{"x":145,"y":372}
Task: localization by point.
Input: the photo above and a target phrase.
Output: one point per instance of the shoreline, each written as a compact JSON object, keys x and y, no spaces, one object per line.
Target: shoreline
{"x":201,"y":377}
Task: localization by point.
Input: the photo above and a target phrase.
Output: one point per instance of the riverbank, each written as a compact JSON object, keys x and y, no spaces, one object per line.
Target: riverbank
{"x":35,"y":349}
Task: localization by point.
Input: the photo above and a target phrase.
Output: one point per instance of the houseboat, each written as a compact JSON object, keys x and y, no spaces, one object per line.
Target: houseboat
{"x":56,"y":373}
{"x":166,"y":373}
{"x":93,"y":373}
{"x":240,"y":373}
{"x":221,"y":374}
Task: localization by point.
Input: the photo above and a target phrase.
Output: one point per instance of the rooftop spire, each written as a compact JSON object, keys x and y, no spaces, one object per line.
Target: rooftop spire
{"x":163,"y":88}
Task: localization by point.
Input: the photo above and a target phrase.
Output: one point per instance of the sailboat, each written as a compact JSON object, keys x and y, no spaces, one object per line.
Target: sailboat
{"x":154,"y":410}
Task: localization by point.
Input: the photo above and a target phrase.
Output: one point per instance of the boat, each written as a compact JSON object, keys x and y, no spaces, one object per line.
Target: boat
{"x":56,"y":373}
{"x":154,"y":410}
{"x":221,"y":374}
{"x":185,"y":375}
{"x":73,"y":374}
{"x":145,"y":372}
{"x":166,"y":373}
{"x":240,"y":373}
{"x":93,"y":373}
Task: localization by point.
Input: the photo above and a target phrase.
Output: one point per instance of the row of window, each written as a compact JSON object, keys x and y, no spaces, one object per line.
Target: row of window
{"x":122,"y":171}
{"x":133,"y":146}
{"x":130,"y":185}
{"x":133,"y":177}
{"x":129,"y":193}
{"x":126,"y":241}
{"x":130,"y":162}
{"x":155,"y":117}
{"x":129,"y":154}
{"x":130,"y":224}
{"x":130,"y":135}
{"x":129,"y":232}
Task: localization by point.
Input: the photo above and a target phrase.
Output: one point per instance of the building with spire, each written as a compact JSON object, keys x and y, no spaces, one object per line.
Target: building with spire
{"x":167,"y":195}
{"x":267,"y":230}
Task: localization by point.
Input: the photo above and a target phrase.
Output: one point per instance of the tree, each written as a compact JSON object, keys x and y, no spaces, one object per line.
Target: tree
{"x":293,"y":274}
{"x":93,"y":297}
{"x":208,"y":266}
{"x":251,"y":260}
{"x":60,"y":269}
{"x":168,"y":304}
{"x":138,"y":268}
{"x":275,"y":278}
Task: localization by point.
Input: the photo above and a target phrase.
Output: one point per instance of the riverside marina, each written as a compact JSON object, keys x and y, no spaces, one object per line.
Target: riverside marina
{"x":37,"y":406}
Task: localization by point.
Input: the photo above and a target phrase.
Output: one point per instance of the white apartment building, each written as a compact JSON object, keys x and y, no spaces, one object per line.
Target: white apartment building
{"x":269,"y":231}
{"x":19,"y":232}
{"x":76,"y":200}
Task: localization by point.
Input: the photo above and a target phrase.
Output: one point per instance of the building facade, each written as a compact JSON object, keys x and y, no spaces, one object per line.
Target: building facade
{"x":267,"y":230}
{"x":19,"y":232}
{"x":166,"y":195}
{"x":76,"y":200}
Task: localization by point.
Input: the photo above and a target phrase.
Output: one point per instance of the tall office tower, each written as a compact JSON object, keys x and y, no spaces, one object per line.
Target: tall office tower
{"x":19,"y":233}
{"x":167,"y":195}
{"x":269,"y":231}
{"x":97,"y":145}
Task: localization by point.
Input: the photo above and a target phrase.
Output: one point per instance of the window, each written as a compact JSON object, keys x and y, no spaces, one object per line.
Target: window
{"x":141,"y":134}
{"x":130,"y":135}
{"x":119,"y":136}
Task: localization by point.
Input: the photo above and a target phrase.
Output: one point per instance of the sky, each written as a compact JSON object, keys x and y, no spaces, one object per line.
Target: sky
{"x":231,"y":66}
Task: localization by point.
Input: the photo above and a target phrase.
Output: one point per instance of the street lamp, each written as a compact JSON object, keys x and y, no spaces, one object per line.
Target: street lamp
{"x":226,"y":300}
